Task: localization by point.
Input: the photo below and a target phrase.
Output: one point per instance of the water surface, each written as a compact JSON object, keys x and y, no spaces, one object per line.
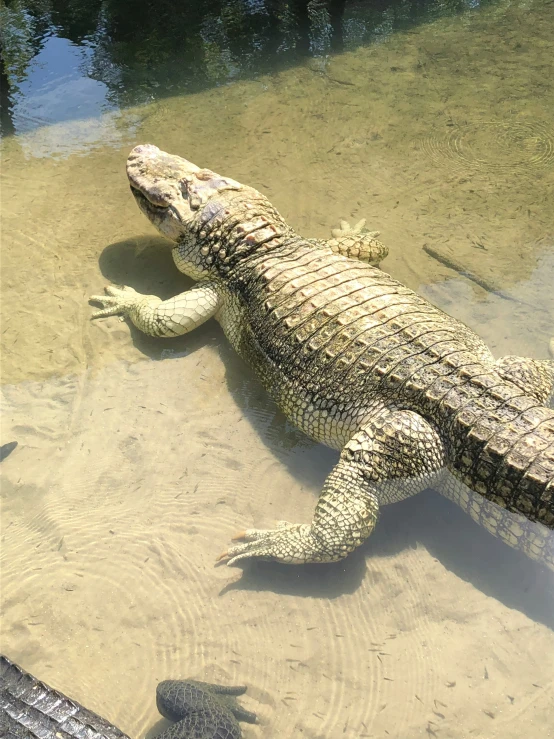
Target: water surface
{"x":139,"y":458}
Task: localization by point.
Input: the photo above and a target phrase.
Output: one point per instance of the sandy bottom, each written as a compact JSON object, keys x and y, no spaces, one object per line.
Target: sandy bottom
{"x":138,"y":459}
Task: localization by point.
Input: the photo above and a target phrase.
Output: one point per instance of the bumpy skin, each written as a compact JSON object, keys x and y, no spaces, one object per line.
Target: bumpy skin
{"x":201,"y":710}
{"x":410,"y":396}
{"x":30,"y":709}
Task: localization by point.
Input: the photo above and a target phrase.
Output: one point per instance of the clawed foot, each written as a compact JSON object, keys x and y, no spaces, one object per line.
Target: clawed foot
{"x":288,"y":543}
{"x":345,"y":229}
{"x":118,"y":300}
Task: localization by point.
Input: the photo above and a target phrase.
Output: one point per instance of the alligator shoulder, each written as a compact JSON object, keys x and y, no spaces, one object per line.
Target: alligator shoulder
{"x":411,"y":396}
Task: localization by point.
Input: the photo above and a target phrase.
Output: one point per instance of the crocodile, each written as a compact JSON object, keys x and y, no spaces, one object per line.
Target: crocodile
{"x":30,"y":709}
{"x":411,"y":397}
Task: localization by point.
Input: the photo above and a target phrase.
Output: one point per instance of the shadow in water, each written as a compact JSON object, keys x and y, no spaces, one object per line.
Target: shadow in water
{"x":311,"y":581}
{"x":161,"y":725}
{"x":145,"y":263}
{"x":430,"y":520}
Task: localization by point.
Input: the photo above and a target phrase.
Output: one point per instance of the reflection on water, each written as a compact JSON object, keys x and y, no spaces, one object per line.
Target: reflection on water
{"x":64,"y":61}
{"x":137,"y":459}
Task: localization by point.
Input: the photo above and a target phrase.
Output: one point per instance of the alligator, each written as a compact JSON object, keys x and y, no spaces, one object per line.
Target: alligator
{"x":30,"y":709}
{"x":410,"y":396}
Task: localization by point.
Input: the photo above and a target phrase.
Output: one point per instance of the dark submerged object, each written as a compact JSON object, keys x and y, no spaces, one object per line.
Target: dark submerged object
{"x":30,"y":709}
{"x":7,"y":449}
{"x":201,"y":710}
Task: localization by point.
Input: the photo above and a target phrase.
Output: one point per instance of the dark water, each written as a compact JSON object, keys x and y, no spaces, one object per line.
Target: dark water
{"x":67,"y":60}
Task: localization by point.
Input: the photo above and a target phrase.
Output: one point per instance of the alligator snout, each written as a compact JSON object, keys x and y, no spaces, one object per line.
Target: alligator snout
{"x":143,"y":149}
{"x":156,"y":174}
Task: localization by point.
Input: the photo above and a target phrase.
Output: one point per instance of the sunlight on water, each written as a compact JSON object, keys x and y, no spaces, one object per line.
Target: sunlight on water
{"x":137,"y":458}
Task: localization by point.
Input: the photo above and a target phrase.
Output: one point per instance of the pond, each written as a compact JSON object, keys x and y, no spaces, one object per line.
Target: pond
{"x":139,"y":458}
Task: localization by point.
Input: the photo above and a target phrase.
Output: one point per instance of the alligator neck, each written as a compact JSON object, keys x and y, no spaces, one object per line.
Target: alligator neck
{"x":237,"y":230}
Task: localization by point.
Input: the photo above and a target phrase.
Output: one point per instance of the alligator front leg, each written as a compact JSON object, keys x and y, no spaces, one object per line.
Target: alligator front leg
{"x":356,"y":242}
{"x":157,"y":317}
{"x":395,"y":455}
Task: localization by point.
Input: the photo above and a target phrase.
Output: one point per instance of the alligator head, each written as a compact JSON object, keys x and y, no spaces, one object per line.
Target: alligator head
{"x":170,"y":190}
{"x":211,"y":217}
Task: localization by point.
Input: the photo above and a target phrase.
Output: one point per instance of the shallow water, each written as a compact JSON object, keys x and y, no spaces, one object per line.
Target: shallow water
{"x":139,"y":458}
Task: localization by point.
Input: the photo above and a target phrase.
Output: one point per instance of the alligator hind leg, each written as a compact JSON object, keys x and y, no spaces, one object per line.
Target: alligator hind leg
{"x":356,"y":242}
{"x":394,"y":450}
{"x":534,"y":376}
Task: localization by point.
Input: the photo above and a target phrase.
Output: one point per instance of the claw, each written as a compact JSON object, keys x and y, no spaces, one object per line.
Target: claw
{"x":118,"y":299}
{"x":222,"y":557}
{"x":241,"y":536}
